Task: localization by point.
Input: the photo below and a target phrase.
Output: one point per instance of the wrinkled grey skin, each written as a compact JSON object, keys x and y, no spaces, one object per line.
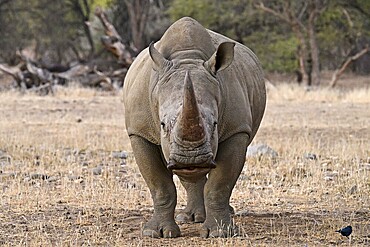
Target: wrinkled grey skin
{"x":193,"y":103}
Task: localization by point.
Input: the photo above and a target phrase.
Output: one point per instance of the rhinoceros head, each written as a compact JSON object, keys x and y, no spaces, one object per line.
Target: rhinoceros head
{"x":188,"y":98}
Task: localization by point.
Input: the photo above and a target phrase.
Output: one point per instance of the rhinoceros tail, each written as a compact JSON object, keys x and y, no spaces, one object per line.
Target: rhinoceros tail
{"x":190,"y":126}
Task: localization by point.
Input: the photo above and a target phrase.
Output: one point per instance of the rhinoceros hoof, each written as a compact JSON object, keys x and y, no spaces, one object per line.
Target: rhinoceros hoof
{"x":164,"y":230}
{"x":187,"y":217}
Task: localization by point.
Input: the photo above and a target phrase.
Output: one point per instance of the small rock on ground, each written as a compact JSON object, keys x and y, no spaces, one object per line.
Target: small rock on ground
{"x":119,"y":154}
{"x":310,"y":156}
{"x":97,"y":170}
{"x":261,"y":150}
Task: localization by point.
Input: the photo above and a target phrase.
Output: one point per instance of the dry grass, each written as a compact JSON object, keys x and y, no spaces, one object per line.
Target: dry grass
{"x":52,"y":147}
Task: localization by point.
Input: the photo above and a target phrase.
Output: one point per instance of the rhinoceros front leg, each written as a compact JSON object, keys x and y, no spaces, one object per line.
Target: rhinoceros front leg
{"x":159,"y":180}
{"x":194,"y":211}
{"x":221,"y":180}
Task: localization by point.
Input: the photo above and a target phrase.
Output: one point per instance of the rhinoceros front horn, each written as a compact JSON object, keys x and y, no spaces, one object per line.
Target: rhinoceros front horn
{"x":190,"y":125}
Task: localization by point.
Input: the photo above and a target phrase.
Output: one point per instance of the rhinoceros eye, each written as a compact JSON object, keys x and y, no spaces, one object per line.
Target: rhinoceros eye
{"x":163,"y":125}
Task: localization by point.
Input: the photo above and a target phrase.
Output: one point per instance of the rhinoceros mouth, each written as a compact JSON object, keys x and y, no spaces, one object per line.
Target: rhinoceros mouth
{"x":177,"y":166}
{"x":174,"y":166}
{"x":192,"y":172}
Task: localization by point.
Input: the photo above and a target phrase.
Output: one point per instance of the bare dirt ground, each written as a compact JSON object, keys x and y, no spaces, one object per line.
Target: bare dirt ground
{"x":68,"y":176}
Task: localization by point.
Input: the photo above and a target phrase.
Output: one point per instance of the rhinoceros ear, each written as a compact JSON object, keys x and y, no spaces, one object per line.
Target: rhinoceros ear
{"x":222,"y":58}
{"x":159,"y":62}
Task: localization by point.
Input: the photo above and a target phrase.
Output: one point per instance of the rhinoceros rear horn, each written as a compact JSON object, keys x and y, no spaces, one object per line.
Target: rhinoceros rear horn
{"x":159,"y":62}
{"x":190,"y":124}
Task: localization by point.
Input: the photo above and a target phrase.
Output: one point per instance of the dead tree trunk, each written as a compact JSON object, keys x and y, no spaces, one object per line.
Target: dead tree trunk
{"x":113,"y":41}
{"x":339,"y":72}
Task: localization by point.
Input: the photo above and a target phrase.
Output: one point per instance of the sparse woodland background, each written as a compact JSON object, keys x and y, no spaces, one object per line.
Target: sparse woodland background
{"x":301,"y":38}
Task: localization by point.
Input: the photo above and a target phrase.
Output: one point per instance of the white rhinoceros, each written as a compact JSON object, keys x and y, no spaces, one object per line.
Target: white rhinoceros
{"x":193,"y":103}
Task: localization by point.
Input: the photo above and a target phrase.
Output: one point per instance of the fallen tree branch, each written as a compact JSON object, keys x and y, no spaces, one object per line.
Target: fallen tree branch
{"x":31,"y":76}
{"x":14,"y":72}
{"x":43,"y":89}
{"x":339,"y":72}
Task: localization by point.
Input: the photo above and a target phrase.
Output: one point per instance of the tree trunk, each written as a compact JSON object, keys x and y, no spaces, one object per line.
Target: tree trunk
{"x":87,"y":28}
{"x":302,"y":52}
{"x":84,"y":19}
{"x":138,"y":11}
{"x":314,"y":55}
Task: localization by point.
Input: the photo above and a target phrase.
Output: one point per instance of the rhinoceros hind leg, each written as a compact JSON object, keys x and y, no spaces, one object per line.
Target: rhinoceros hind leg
{"x":159,"y":180}
{"x":194,"y":211}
